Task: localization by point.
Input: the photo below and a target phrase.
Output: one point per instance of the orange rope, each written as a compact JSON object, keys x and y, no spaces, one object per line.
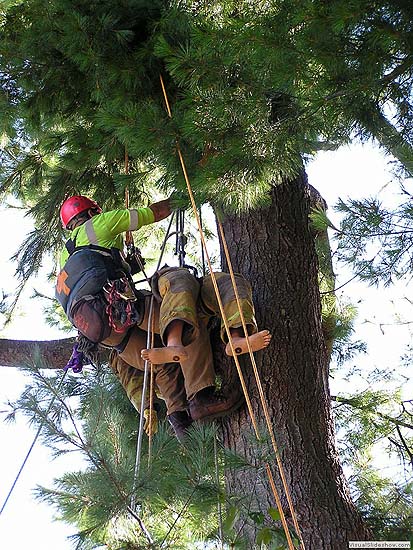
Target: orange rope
{"x":225,"y":321}
{"x":260,"y":388}
{"x":279,"y":505}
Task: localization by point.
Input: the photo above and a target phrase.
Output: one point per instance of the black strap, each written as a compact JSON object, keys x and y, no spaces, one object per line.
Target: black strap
{"x":71,"y":248}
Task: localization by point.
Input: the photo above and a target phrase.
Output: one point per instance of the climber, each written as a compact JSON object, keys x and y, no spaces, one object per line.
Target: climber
{"x":98,"y":296}
{"x":93,"y":268}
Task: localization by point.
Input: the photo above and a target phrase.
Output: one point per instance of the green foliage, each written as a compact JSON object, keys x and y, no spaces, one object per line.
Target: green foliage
{"x":338,"y":315}
{"x":386,"y":505}
{"x":176,"y":492}
{"x":375,"y":240}
{"x":252,"y":91}
{"x":369,"y":413}
{"x":370,"y":422}
{"x":255,"y":89}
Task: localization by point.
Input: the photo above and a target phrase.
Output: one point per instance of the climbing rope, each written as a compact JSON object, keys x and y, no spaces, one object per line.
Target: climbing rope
{"x":202,"y":249}
{"x":36,"y":437}
{"x":151,"y":395}
{"x":128,"y":235}
{"x":219,"y":507}
{"x":145,"y":373}
{"x":227,"y":329}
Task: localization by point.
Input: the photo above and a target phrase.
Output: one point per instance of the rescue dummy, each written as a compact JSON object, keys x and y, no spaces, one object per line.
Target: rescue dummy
{"x":97,"y":293}
{"x":187,"y":383}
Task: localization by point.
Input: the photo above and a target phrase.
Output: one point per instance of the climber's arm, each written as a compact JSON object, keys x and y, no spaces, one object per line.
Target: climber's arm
{"x":161,"y":209}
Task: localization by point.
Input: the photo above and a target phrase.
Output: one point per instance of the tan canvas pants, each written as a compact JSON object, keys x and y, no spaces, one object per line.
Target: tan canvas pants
{"x":183,"y":298}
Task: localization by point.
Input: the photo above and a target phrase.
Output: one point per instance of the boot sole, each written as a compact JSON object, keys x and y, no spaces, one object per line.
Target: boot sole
{"x":222,"y":414}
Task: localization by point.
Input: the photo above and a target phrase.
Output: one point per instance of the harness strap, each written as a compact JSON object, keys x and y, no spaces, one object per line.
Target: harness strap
{"x":72,"y":248}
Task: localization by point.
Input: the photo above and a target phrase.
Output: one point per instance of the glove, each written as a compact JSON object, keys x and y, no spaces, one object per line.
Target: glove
{"x":151,"y":422}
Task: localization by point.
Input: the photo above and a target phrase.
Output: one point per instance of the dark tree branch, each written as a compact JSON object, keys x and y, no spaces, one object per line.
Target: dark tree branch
{"x":16,"y":353}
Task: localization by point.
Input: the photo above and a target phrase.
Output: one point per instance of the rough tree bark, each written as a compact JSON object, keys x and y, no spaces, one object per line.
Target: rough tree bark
{"x":55,"y":353}
{"x":274,"y":249}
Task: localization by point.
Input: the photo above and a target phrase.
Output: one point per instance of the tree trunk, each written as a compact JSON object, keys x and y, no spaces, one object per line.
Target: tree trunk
{"x":274,"y":249}
{"x":17,"y":353}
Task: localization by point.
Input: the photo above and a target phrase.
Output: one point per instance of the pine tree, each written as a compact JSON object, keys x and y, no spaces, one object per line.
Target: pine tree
{"x":87,"y":415}
{"x":254,"y":90}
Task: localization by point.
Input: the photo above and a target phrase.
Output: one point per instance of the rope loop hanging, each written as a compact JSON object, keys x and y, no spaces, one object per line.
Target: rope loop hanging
{"x":133,"y":254}
{"x":36,"y":437}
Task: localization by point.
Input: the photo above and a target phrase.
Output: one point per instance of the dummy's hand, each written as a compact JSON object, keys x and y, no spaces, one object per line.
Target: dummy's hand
{"x":151,"y":422}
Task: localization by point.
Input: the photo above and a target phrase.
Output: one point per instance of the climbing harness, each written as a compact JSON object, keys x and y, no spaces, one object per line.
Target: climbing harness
{"x":230,"y":341}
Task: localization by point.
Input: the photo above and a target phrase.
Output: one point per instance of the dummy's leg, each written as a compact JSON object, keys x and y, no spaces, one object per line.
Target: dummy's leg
{"x":205,"y":403}
{"x":130,"y":378}
{"x":257,"y":340}
{"x":174,"y":351}
{"x":170,"y":380}
{"x":178,"y":323}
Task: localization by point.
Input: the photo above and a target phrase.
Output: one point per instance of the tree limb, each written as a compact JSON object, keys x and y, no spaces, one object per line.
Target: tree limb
{"x":16,"y":353}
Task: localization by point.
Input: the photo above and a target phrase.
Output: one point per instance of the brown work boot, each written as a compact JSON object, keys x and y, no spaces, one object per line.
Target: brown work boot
{"x":180,"y":422}
{"x":208,"y":404}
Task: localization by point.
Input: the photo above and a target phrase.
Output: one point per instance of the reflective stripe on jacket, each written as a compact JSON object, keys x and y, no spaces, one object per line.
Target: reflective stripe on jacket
{"x":106,"y":229}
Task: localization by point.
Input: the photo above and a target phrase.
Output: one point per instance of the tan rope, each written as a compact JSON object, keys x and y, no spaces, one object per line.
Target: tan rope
{"x":279,"y":505}
{"x":260,"y":388}
{"x":224,"y":319}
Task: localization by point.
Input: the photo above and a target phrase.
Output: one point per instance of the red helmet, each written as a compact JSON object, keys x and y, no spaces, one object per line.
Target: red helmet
{"x":74,"y":206}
